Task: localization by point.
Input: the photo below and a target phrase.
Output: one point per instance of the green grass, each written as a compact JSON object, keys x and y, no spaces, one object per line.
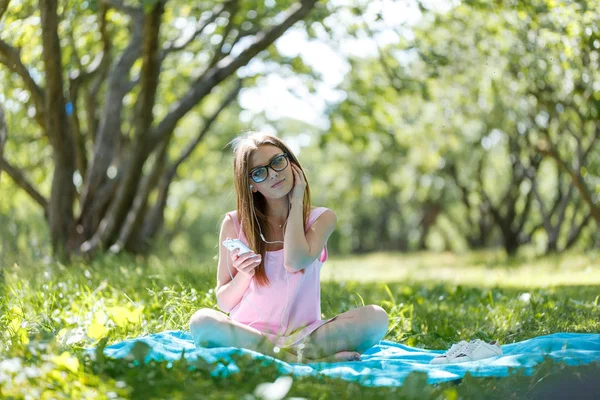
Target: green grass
{"x":481,"y":269}
{"x":49,"y":313}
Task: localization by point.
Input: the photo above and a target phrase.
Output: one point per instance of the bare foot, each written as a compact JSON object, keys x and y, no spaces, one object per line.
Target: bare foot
{"x":337,"y":357}
{"x":341,"y":356}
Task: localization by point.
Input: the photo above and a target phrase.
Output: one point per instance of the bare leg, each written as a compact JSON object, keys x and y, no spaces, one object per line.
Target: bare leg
{"x":342,"y":339}
{"x":351,"y":332}
{"x":211,"y":328}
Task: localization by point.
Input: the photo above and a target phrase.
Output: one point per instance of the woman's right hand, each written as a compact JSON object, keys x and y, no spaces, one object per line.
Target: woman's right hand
{"x":245,"y":263}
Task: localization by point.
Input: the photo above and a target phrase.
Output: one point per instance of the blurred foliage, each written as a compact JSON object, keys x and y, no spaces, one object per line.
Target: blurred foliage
{"x":446,"y":124}
{"x":434,"y":143}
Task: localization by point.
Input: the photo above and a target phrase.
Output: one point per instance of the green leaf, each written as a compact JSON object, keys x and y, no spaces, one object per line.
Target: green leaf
{"x":66,"y":361}
{"x":96,"y":330}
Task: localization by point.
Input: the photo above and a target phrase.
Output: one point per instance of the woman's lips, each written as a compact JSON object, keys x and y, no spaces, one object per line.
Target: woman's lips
{"x":278,"y":183}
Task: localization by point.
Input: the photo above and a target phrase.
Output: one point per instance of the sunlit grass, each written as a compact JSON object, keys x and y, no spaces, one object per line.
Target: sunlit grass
{"x":49,"y":313}
{"x":481,"y":269}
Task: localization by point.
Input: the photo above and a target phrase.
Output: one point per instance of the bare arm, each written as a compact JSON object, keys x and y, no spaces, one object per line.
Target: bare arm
{"x":301,"y":249}
{"x":230,"y":292}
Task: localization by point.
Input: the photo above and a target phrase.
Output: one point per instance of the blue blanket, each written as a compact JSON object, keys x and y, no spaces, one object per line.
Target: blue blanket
{"x":385,"y":364}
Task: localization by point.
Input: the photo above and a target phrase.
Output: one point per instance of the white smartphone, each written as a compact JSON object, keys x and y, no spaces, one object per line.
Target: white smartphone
{"x":232,"y":244}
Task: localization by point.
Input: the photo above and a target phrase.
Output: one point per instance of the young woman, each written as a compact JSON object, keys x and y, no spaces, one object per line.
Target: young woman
{"x":272,"y":293}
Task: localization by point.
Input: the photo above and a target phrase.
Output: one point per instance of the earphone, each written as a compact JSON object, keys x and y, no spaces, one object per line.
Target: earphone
{"x":286,"y":272}
{"x":261,"y":234}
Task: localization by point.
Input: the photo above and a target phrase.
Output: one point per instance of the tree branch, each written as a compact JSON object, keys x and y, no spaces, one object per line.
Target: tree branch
{"x":80,"y":152}
{"x":464,"y":193}
{"x":241,"y":35}
{"x":10,"y":57}
{"x":392,"y":75}
{"x":464,"y":196}
{"x":192,"y":145}
{"x":109,"y":129}
{"x":202,"y":24}
{"x":99,"y":66}
{"x":20,"y":180}
{"x":495,"y":212}
{"x":142,"y":123}
{"x":120,"y":5}
{"x":576,"y":230}
{"x":560,"y":182}
{"x":232,"y":8}
{"x":155,"y":218}
{"x":3,"y":7}
{"x":99,"y":71}
{"x":74,"y":56}
{"x":562,"y":208}
{"x":536,"y":193}
{"x":576,"y":178}
{"x":139,"y":204}
{"x":3,"y":137}
{"x":393,"y":78}
{"x":529,"y":235}
{"x":587,"y":151}
{"x":525,"y":213}
{"x":213,"y":76}
{"x":90,"y":218}
{"x":531,"y":173}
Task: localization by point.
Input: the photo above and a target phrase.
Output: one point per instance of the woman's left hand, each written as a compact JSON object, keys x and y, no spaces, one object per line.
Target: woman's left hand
{"x":297,"y":193}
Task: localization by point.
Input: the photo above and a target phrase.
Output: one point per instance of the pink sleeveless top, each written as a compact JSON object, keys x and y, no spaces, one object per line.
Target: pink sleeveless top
{"x":264,"y":307}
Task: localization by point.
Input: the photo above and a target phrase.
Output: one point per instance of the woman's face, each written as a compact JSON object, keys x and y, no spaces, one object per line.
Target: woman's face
{"x":284,"y":179}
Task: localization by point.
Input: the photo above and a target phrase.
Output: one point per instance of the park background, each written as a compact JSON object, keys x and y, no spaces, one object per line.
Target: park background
{"x":457,"y":143}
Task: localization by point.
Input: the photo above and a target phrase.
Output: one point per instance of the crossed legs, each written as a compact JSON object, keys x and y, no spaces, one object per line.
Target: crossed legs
{"x":344,"y":338}
{"x":211,"y":328}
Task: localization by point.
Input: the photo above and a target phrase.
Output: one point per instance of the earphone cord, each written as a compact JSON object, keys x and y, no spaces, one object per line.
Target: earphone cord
{"x":257,"y":308}
{"x":287,"y":297}
{"x":286,"y":272}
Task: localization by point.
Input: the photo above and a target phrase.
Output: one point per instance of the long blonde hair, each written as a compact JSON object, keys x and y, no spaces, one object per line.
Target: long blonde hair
{"x":243,"y":147}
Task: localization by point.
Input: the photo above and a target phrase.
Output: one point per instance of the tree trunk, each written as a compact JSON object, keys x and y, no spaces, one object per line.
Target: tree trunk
{"x":431,"y":211}
{"x":510,"y":222}
{"x":477,"y":228}
{"x":3,"y":135}
{"x":115,"y":207}
{"x":479,"y":239}
{"x":383,"y":241}
{"x":142,"y":125}
{"x":63,"y":146}
{"x":360,"y":244}
{"x":154,"y":218}
{"x":511,"y":241}
{"x":108,"y":138}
